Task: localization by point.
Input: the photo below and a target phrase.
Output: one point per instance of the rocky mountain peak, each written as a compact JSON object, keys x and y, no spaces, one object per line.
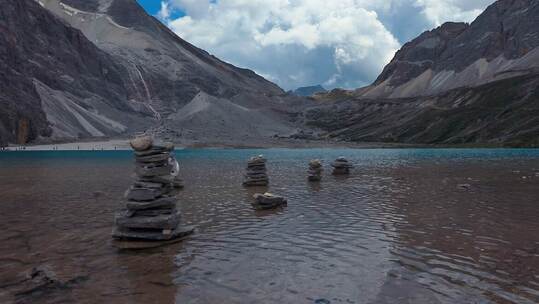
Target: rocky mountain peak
{"x":501,"y":42}
{"x":420,"y":54}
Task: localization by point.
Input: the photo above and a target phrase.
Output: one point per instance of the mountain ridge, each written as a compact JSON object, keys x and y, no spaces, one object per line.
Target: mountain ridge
{"x":501,"y":43}
{"x":308,"y":90}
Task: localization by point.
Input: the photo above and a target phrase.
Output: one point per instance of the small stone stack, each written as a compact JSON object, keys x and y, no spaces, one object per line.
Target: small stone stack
{"x":256,"y":172}
{"x":315,"y":170}
{"x":268,"y":201}
{"x":341,"y":166}
{"x":151,"y":213}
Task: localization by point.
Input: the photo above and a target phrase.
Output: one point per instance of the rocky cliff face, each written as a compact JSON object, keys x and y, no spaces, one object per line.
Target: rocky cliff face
{"x":53,"y":79}
{"x":501,"y":43}
{"x":92,"y":68}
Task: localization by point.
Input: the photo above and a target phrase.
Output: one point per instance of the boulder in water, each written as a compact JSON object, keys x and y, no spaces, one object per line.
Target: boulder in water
{"x":268,"y":201}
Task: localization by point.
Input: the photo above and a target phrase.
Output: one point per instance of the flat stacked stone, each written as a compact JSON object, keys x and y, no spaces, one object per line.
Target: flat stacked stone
{"x":150,"y":211}
{"x":268,"y":201}
{"x":341,"y":166}
{"x":255,"y":174}
{"x":315,"y":170}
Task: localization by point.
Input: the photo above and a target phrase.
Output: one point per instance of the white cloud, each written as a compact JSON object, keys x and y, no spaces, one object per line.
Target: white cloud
{"x":440,"y":11}
{"x":289,"y":39}
{"x":295,"y":43}
{"x":164,"y":12}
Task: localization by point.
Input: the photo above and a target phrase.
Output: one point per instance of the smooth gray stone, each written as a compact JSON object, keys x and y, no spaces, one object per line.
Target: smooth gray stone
{"x":142,"y":194}
{"x":267,"y":202}
{"x":141,"y":143}
{"x":257,"y":171}
{"x":166,"y":221}
{"x":256,"y":166}
{"x":155,"y":235}
{"x":315,"y":178}
{"x":255,"y":183}
{"x":177,"y":183}
{"x":256,"y":161}
{"x":316,"y":163}
{"x":164,"y":179}
{"x":155,"y":150}
{"x":153,"y":171}
{"x":342,"y":166}
{"x":154,"y":212}
{"x":341,"y":171}
{"x":341,"y":163}
{"x":256,"y":176}
{"x":153,"y":164}
{"x":141,"y":184}
{"x":161,"y":157}
{"x":259,"y":179}
{"x":164,"y":202}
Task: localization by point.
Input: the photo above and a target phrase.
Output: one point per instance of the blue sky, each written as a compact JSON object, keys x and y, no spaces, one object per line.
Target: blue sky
{"x":336,"y":43}
{"x":153,"y":7}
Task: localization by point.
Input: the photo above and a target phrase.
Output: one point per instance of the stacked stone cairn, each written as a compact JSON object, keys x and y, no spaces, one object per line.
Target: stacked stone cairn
{"x":151,"y":213}
{"x":268,"y":201}
{"x":341,"y":166}
{"x":315,"y":170}
{"x":255,"y":174}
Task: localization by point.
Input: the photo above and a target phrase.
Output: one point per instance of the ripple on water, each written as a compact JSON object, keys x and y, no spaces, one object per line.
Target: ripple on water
{"x":397,"y":230}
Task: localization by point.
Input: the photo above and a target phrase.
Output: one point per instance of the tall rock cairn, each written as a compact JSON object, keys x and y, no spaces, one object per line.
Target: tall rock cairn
{"x":255,"y":174}
{"x":315,"y":170}
{"x":151,"y":213}
{"x":341,"y":166}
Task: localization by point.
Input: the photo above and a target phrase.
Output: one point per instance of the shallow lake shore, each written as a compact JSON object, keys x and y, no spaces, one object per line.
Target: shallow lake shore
{"x":265,"y":143}
{"x":123,"y":144}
